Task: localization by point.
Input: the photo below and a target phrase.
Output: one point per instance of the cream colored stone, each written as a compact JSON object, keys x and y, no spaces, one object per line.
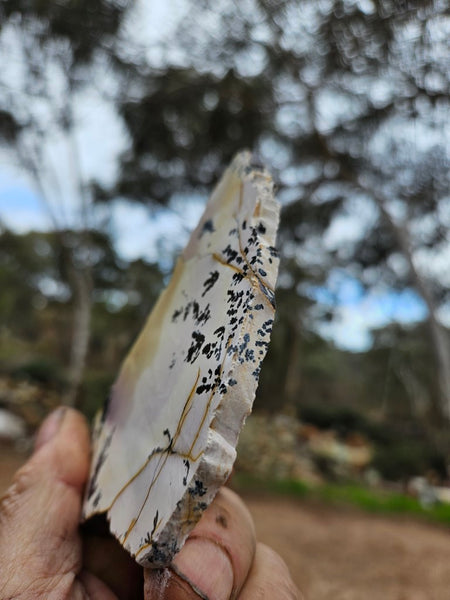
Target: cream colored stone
{"x":166,"y":440}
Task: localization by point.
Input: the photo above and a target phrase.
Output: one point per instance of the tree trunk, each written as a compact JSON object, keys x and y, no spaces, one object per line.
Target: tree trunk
{"x":438,"y":335}
{"x":292,"y":376}
{"x":82,"y":288}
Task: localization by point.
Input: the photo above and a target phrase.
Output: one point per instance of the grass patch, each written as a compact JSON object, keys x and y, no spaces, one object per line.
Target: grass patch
{"x":373,"y":501}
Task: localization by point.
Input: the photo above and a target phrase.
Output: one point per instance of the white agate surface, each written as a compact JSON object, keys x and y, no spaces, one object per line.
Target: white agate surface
{"x":166,"y":440}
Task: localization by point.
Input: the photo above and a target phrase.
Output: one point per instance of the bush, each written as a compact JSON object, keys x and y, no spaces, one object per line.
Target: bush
{"x":344,"y":420}
{"x":408,"y":458}
{"x":40,"y":370}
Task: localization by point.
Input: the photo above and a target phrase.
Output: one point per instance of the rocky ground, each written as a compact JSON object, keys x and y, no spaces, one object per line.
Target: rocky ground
{"x":341,"y":554}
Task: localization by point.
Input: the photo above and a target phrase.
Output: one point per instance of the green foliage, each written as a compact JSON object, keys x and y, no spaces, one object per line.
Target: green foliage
{"x":382,"y":502}
{"x":189,"y":144}
{"x":291,"y":487}
{"x":26,"y":262}
{"x":328,"y":95}
{"x":34,"y":342}
{"x":403,"y":458}
{"x":96,"y":388}
{"x":344,"y":420}
{"x":41,"y":370}
{"x":9,"y":126}
{"x":82,"y":23}
{"x":373,"y":501}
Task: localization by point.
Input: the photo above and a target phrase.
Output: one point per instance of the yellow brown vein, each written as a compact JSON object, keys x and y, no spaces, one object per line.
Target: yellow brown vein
{"x":166,"y":455}
{"x":161,"y":452}
{"x":189,"y":456}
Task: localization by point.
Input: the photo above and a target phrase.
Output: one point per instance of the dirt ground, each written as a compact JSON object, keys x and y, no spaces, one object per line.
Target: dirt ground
{"x":342,"y":554}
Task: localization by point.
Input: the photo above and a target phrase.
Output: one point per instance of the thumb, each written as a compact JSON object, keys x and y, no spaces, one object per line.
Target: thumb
{"x":40,"y":551}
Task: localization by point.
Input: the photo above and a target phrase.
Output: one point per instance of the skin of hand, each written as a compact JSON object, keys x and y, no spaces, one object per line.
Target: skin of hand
{"x":45,"y":554}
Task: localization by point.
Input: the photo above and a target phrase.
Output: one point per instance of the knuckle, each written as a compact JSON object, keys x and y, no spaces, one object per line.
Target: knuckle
{"x":274,"y":558}
{"x":282,"y":586}
{"x":9,"y":501}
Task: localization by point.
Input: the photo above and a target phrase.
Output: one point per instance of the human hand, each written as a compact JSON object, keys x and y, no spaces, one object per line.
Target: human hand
{"x":43,"y":553}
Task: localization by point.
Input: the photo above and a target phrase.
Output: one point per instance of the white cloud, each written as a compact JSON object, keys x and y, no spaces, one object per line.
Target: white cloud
{"x":358,"y":313}
{"x":444,"y":315}
{"x":152,"y":25}
{"x":156,"y":235}
{"x":435,"y":264}
{"x":349,"y":331}
{"x":101,"y":137}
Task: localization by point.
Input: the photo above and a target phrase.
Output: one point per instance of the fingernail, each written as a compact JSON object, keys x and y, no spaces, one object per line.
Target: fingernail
{"x":49,"y":427}
{"x":207,"y":567}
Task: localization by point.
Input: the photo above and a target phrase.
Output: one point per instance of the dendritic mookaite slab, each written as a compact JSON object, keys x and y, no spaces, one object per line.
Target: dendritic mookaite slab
{"x":166,"y":440}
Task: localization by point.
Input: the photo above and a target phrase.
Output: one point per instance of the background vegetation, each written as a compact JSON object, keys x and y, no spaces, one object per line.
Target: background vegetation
{"x":345,"y":101}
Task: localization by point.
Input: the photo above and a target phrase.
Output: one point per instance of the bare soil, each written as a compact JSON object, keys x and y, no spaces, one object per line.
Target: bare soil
{"x":341,"y":554}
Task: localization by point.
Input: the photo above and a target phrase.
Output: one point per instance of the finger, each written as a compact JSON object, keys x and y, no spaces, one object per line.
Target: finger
{"x":216,"y":559}
{"x":269,"y":578}
{"x":39,"y":516}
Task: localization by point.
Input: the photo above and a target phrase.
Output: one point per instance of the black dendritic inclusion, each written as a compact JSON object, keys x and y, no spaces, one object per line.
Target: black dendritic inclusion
{"x":209,"y":283}
{"x":208,"y":227}
{"x":197,"y":341}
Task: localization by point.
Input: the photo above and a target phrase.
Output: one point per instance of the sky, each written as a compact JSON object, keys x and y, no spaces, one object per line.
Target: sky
{"x":138,"y":233}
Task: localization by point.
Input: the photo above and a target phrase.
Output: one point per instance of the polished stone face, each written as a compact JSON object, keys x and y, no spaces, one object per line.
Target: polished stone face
{"x":166,"y":440}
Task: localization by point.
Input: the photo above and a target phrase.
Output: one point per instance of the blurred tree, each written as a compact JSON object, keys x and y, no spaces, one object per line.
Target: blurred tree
{"x":347,"y":101}
{"x":401,"y":366}
{"x":52,"y":55}
{"x":32,"y":274}
{"x":26,"y":268}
